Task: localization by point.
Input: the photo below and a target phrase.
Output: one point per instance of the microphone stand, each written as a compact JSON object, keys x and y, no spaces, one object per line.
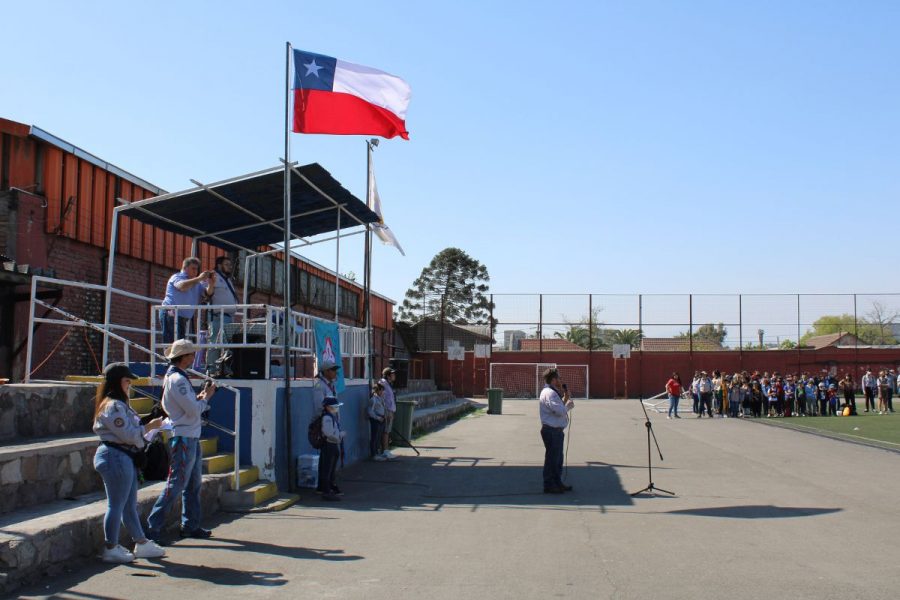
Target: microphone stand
{"x":651,"y":489}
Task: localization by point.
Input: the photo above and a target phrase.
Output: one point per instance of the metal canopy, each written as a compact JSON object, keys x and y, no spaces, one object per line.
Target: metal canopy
{"x":247,"y":212}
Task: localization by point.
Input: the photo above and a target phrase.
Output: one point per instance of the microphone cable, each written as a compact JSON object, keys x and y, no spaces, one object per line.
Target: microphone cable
{"x":568,"y":441}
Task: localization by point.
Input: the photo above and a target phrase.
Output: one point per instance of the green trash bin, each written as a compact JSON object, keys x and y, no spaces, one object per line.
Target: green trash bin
{"x":495,"y":401}
{"x":403,"y":419}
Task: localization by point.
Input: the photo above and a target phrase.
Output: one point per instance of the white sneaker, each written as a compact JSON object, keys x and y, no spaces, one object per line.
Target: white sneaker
{"x":380,"y":457}
{"x":148,"y":549}
{"x":390,"y":455}
{"x":117,"y":555}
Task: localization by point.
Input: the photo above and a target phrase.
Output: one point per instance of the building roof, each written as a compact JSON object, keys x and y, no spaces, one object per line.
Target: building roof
{"x":841,"y":338}
{"x":549,"y":345}
{"x":679,"y":345}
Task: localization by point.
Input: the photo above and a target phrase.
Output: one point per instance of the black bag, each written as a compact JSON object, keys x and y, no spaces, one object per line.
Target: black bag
{"x":156,"y":456}
{"x":315,"y":435}
{"x":137,"y":457}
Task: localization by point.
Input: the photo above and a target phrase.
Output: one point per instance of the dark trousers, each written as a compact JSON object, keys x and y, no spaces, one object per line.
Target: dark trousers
{"x":169,"y":331}
{"x":376,"y":432}
{"x":553,"y":456}
{"x":696,"y":400}
{"x":823,"y":408}
{"x":890,"y":400}
{"x":328,"y":461}
{"x":870,"y":398}
{"x":705,"y":402}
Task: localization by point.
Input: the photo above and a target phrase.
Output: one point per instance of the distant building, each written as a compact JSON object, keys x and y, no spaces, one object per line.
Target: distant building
{"x":430,"y":335}
{"x":550,"y":345}
{"x":833,"y":340}
{"x":512,"y":339}
{"x":679,"y":344}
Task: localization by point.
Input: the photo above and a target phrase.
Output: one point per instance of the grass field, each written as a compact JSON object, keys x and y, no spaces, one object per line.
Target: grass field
{"x":872,"y":428}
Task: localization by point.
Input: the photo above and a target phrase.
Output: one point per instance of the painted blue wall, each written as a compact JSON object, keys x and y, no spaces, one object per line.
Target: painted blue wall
{"x":221,"y":411}
{"x":354,"y":421}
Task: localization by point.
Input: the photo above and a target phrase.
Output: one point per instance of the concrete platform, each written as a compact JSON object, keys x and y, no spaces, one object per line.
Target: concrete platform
{"x":759,"y":512}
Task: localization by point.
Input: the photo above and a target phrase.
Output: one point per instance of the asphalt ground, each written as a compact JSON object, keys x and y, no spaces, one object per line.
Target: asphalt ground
{"x":758,"y":512}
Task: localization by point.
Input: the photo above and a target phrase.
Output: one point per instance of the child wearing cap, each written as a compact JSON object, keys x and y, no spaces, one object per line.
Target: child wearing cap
{"x":331,"y":451}
{"x":376,"y":421}
{"x":822,"y":397}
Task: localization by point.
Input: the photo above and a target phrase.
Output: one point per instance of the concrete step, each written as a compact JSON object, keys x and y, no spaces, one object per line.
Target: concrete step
{"x":246,"y":476}
{"x":35,"y":471}
{"x":414,"y":386}
{"x":209,"y":446}
{"x":274,"y":504}
{"x":249,"y":496}
{"x":141,"y":404}
{"x":218,"y":463}
{"x":427,"y":419}
{"x":428,"y":399}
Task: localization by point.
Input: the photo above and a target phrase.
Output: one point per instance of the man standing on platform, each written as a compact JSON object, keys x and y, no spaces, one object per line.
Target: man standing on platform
{"x":554,"y":410}
{"x":184,"y":287}
{"x":221,"y":294}
{"x":184,"y":408}
{"x":388,"y":376}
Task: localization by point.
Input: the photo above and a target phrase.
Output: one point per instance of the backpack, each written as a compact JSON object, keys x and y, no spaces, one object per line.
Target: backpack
{"x":314,"y":433}
{"x":156,"y":461}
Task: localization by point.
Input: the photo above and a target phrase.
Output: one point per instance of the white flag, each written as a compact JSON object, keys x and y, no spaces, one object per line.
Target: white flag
{"x":381,"y":230}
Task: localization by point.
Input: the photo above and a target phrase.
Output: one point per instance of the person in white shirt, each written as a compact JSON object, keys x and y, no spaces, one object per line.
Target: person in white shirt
{"x":222,"y":293}
{"x":388,"y":376}
{"x":870,"y":387}
{"x":554,"y":412}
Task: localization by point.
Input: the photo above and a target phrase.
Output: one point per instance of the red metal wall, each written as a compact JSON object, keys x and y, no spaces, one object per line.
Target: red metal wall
{"x":647,"y":372}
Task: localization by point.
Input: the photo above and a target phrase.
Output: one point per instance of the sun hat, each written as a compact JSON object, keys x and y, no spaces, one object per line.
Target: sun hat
{"x":180,"y":348}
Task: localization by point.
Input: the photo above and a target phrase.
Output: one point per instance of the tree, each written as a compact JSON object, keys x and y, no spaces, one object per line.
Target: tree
{"x":586,"y":332}
{"x":632,"y":337}
{"x":452,"y":287}
{"x":787,"y":344}
{"x":874,"y":329}
{"x":708,"y":331}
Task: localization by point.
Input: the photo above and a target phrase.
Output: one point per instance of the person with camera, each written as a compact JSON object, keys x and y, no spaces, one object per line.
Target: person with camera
{"x":187,"y":286}
{"x":185,"y":410}
{"x":554,"y":410}
{"x":116,"y":460}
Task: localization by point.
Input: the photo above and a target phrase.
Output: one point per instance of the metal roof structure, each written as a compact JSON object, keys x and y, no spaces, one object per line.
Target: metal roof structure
{"x":246,"y":212}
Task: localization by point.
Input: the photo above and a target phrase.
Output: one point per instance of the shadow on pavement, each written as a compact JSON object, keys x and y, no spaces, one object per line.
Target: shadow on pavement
{"x":296,"y":552}
{"x":214,"y":575}
{"x":424,"y":482}
{"x":762,"y":511}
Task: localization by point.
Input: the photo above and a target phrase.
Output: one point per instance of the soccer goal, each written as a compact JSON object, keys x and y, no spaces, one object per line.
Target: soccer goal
{"x":525,"y":380}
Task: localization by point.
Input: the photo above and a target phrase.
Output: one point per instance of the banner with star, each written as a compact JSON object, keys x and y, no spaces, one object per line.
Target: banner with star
{"x":336,"y":97}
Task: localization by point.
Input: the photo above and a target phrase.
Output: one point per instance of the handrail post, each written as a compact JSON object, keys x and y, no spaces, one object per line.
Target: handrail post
{"x":30,"y":347}
{"x":237,"y":439}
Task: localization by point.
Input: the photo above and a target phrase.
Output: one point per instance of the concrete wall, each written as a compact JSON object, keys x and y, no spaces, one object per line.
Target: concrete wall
{"x":42,"y":410}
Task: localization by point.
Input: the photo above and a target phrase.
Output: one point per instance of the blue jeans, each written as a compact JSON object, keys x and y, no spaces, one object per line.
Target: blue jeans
{"x":673,"y":404}
{"x":121,"y":483}
{"x":185,"y":479}
{"x":553,"y":456}
{"x":376,"y":433}
{"x":169,"y":332}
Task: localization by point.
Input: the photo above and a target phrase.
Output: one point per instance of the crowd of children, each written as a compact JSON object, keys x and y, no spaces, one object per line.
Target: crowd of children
{"x":745,"y":394}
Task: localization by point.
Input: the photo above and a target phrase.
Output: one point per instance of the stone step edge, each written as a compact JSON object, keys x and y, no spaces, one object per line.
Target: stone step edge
{"x":60,"y":444}
{"x":430,"y":418}
{"x":35,"y":537}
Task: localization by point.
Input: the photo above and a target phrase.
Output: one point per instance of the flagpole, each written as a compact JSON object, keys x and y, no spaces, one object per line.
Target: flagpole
{"x":367,"y":267}
{"x":287,"y":329}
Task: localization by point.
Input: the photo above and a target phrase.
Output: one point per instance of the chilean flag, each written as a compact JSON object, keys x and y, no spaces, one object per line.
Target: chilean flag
{"x":337,"y":97}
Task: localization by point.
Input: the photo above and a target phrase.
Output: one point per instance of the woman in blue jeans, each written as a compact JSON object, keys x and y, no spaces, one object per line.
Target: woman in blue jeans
{"x":121,"y":437}
{"x":673,"y":389}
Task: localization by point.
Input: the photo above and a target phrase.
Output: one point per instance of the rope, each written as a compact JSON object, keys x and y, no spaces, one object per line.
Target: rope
{"x":55,"y":348}
{"x":88,"y":343}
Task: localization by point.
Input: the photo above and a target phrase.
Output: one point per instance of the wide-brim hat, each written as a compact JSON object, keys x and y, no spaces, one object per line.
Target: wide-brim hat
{"x":180,"y":348}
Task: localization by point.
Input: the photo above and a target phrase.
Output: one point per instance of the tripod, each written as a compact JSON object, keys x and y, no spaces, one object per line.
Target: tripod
{"x":651,"y":489}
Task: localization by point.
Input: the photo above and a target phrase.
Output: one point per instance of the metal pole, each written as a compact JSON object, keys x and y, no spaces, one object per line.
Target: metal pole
{"x":30,"y":347}
{"x":287,"y":267}
{"x":541,"y":327}
{"x":367,"y":267}
{"x":337,"y":270}
{"x":110,"y":264}
{"x":691,"y":325}
{"x":640,"y":349}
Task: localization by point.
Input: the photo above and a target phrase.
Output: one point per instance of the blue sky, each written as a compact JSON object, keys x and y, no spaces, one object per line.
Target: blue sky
{"x":605,"y":147}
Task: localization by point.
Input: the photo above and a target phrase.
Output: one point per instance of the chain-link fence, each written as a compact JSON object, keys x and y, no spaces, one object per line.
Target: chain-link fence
{"x":663,"y":322}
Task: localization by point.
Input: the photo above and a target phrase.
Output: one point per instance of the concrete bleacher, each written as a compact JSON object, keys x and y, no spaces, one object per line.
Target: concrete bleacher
{"x":433,"y":407}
